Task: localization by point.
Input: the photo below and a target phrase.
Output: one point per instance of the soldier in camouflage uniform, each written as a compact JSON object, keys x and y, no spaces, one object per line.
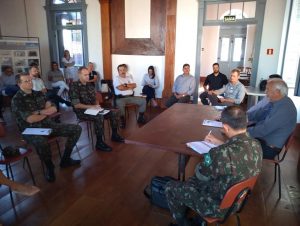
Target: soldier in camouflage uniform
{"x":223,"y":166}
{"x":32,"y":110}
{"x":83,"y":96}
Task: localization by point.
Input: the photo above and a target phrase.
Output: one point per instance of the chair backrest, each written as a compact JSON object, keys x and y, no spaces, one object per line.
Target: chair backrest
{"x":238,"y":192}
{"x":111,"y":90}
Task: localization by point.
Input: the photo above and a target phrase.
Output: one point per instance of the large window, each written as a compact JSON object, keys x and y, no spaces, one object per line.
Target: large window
{"x":67,"y":29}
{"x":292,"y":53}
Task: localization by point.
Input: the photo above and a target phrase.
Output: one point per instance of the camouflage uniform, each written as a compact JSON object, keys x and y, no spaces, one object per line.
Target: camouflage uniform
{"x":224,"y":166}
{"x":23,"y":105}
{"x":85,"y":94}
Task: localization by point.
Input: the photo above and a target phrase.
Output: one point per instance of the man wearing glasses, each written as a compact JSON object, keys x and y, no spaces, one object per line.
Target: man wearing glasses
{"x":31,"y":109}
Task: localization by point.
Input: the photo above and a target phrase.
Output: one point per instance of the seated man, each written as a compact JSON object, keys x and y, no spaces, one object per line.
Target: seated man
{"x":8,"y":82}
{"x":183,"y":88}
{"x":38,"y":85}
{"x":32,"y":110}
{"x":214,"y":81}
{"x":239,"y":158}
{"x":56,"y":77}
{"x":83,"y":96}
{"x":124,"y":86}
{"x":234,"y":92}
{"x":262,"y":103}
{"x":275,"y":121}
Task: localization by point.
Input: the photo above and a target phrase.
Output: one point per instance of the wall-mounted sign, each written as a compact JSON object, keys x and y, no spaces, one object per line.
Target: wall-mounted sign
{"x":270,"y":51}
{"x":229,"y":19}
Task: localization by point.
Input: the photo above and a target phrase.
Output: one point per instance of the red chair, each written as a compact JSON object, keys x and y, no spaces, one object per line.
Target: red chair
{"x":8,"y":161}
{"x":279,"y":160}
{"x":234,"y":200}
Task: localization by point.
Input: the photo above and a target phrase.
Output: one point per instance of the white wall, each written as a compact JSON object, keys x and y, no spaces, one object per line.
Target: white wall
{"x":94,"y":35}
{"x":13,"y":23}
{"x":138,"y":66}
{"x":249,"y":45}
{"x":209,"y":53}
{"x":271,"y":38}
{"x":186,"y":35}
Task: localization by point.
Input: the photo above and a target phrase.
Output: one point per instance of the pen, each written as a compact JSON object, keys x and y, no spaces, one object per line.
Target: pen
{"x":209,"y":132}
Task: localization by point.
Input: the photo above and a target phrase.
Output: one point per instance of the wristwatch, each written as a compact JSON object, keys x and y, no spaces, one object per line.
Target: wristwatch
{"x":125,"y":84}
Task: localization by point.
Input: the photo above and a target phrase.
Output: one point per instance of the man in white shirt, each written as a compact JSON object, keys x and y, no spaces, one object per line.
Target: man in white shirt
{"x":124,"y":94}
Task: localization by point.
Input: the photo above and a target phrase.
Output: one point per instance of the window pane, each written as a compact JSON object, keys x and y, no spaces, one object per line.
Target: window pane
{"x":212,"y":12}
{"x":224,"y":10}
{"x":224,"y":49}
{"x":237,"y":49}
{"x":72,"y":40}
{"x":68,"y":18}
{"x":249,"y":9}
{"x":237,"y":10}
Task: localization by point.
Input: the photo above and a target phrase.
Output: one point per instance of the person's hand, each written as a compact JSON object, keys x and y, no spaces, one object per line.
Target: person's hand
{"x":222,"y":100}
{"x":212,"y":139}
{"x":210,"y":92}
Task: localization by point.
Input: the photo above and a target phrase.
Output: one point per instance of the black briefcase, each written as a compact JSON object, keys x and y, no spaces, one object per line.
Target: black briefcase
{"x":156,"y":191}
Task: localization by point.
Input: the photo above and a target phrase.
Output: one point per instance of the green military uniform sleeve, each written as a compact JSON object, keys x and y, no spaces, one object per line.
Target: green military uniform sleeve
{"x":19,"y":108}
{"x":74,"y":93}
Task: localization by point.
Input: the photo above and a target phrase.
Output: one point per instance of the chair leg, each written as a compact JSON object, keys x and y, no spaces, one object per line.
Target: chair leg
{"x":58,"y":147}
{"x":12,"y":175}
{"x":275,"y":173}
{"x":7,"y":166}
{"x":30,"y":171}
{"x":238,"y":222}
{"x":279,"y":181}
{"x":103,"y":128}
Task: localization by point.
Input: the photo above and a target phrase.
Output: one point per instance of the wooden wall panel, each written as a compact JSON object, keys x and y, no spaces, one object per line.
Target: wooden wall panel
{"x":155,"y":45}
{"x":170,"y":42}
{"x":106,"y":38}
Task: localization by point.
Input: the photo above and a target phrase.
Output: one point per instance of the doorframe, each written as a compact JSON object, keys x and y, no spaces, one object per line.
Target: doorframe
{"x":258,"y":20}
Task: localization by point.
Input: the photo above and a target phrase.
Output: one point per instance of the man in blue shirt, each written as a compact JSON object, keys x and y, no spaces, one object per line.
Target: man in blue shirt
{"x":275,"y":121}
{"x":183,"y":88}
{"x":234,"y":92}
{"x":214,"y":81}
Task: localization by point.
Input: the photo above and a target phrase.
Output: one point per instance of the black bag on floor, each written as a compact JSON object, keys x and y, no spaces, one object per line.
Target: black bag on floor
{"x":156,"y":191}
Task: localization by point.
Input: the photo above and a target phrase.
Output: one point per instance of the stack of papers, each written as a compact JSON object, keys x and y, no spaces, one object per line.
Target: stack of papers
{"x":201,"y":147}
{"x":37,"y":131}
{"x":212,"y":123}
{"x":95,"y":111}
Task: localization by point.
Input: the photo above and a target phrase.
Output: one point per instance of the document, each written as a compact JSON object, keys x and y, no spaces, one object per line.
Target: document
{"x":104,"y":112}
{"x":220,"y":108}
{"x":212,"y":123}
{"x":201,"y":147}
{"x":37,"y":131}
{"x":93,"y":111}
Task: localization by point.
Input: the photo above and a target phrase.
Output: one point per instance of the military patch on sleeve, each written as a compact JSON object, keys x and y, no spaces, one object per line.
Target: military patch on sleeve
{"x":207,"y":159}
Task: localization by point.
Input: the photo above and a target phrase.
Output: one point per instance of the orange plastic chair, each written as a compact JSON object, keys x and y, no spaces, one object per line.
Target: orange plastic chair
{"x":234,"y":200}
{"x":279,"y":160}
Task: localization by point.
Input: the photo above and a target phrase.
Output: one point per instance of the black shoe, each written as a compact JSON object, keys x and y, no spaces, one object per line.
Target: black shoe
{"x":69,"y":162}
{"x":117,"y":138}
{"x":141,"y":120}
{"x":50,"y":175}
{"x":101,"y":146}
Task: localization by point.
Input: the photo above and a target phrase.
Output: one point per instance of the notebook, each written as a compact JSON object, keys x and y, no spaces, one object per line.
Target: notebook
{"x":201,"y":147}
{"x":37,"y":131}
{"x":212,"y":123}
{"x":93,"y":111}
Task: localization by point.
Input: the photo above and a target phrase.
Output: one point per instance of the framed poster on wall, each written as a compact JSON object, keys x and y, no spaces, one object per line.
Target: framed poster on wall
{"x":19,"y":52}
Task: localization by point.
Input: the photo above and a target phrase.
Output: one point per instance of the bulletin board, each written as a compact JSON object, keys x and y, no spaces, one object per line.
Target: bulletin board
{"x":19,"y":52}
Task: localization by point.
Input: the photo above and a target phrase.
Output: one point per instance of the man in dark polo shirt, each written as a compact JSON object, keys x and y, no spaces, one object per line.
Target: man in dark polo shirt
{"x":215,"y":81}
{"x":83,"y":97}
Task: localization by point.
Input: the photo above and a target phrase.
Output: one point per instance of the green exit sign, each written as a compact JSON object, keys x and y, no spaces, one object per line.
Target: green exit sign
{"x":229,"y":19}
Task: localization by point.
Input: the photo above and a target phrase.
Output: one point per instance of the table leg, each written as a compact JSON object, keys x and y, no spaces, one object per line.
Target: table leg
{"x":182,"y":161}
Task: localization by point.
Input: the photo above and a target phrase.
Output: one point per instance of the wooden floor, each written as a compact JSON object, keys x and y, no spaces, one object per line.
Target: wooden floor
{"x":108,"y":187}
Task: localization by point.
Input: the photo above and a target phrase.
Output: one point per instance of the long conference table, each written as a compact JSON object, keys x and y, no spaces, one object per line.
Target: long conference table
{"x":173,"y":128}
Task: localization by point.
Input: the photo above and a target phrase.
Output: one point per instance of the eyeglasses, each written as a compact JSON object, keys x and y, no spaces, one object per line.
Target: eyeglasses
{"x":27,"y":81}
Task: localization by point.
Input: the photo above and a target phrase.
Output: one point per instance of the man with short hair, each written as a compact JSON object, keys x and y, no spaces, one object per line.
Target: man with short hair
{"x":183,"y":88}
{"x":83,"y":97}
{"x":234,"y":91}
{"x":274,"y":122}
{"x":238,"y":159}
{"x":124,"y":86}
{"x":31,"y":109}
{"x":214,"y":81}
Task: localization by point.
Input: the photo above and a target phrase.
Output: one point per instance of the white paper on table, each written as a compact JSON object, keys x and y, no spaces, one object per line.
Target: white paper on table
{"x":37,"y":131}
{"x":93,"y":111}
{"x":220,"y":108}
{"x":212,"y":123}
{"x":201,"y":147}
{"x":104,"y":112}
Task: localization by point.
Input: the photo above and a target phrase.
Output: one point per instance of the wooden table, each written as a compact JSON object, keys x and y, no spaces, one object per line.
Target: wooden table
{"x":172,"y":129}
{"x":253,"y":93}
